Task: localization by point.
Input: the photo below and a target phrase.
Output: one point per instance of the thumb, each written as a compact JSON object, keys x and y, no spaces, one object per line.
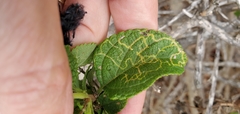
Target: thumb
{"x":35,"y":77}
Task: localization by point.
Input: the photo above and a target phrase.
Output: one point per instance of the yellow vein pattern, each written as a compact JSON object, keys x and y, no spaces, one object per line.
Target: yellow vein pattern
{"x":136,"y":57}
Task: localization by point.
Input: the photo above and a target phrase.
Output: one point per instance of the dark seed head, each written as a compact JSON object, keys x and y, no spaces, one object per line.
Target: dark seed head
{"x":70,"y":20}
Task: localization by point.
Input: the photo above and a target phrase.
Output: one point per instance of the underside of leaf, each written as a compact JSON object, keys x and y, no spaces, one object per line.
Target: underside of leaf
{"x":83,"y":53}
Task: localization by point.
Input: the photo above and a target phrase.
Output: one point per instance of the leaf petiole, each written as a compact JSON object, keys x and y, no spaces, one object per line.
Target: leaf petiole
{"x":80,"y":95}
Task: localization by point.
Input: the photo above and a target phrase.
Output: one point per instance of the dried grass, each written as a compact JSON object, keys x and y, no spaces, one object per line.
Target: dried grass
{"x":209,"y":32}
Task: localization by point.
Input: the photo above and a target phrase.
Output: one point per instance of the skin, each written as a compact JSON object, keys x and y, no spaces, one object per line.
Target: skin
{"x":35,"y":77}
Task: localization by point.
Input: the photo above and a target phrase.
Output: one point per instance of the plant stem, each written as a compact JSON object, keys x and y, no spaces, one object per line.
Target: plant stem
{"x":80,"y":95}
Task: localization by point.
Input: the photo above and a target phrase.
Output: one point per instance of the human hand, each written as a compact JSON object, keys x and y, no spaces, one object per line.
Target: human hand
{"x":35,"y":77}
{"x":127,"y":14}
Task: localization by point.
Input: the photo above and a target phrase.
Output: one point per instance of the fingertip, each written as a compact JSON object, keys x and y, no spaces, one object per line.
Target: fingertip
{"x":134,"y":104}
{"x":132,"y":14}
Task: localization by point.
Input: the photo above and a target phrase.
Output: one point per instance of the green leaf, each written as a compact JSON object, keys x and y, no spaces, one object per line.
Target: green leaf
{"x":74,"y":67}
{"x":78,"y":102}
{"x":111,"y":106}
{"x":130,"y":62}
{"x":83,"y":82}
{"x":237,"y":13}
{"x":78,"y":106}
{"x":89,"y":108}
{"x":235,"y":112}
{"x":90,"y":76}
{"x":83,"y":53}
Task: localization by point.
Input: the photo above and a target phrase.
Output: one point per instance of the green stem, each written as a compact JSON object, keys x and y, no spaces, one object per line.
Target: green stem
{"x":80,"y":95}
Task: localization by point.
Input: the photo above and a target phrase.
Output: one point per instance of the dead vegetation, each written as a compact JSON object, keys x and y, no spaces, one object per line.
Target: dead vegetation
{"x":209,"y":32}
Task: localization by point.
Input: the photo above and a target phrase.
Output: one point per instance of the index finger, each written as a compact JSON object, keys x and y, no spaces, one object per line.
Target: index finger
{"x":130,"y":14}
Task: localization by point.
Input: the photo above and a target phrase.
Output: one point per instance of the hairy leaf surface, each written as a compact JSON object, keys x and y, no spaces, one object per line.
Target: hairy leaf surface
{"x":74,"y":67}
{"x":83,"y":53}
{"x":111,"y":106}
